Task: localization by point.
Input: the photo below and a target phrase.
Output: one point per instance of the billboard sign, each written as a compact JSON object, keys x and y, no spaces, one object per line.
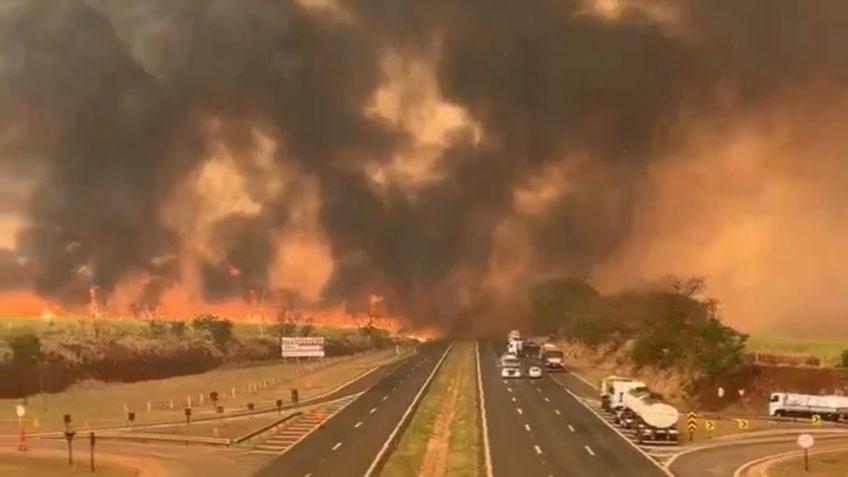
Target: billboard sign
{"x":302,"y":347}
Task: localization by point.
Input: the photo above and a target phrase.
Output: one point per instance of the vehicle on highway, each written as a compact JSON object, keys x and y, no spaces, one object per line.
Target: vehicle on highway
{"x":514,"y":347}
{"x":513,"y":335}
{"x":530,"y":349}
{"x":551,"y":357}
{"x":613,"y":389}
{"x":829,"y":407}
{"x":511,"y":372}
{"x":534,"y":372}
{"x":651,"y":418}
{"x":510,"y":361}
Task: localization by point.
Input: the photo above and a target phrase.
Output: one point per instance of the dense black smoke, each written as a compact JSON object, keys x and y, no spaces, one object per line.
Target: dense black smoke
{"x":108,"y":100}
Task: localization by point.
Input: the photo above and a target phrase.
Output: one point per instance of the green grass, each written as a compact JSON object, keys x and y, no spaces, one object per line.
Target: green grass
{"x":463,"y":447}
{"x":25,"y":465}
{"x":102,"y":404}
{"x":827,"y":349}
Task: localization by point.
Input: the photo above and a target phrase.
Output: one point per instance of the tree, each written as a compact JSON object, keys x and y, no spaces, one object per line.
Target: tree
{"x":563,"y":305}
{"x":843,"y":359}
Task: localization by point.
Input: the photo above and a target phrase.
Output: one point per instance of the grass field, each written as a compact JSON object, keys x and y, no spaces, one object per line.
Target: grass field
{"x":826,"y":464}
{"x":29,"y":466}
{"x":443,"y":436}
{"x":103,"y":404}
{"x":827,"y":349}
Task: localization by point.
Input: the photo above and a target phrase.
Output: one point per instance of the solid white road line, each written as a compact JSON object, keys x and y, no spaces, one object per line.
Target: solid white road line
{"x":486,"y":450}
{"x":538,"y":450}
{"x":358,"y":424}
{"x":338,"y":444}
{"x":589,"y":450}
{"x":571,"y":428}
{"x":623,"y":437}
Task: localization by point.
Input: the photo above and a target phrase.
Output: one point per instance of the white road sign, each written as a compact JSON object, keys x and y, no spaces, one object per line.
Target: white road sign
{"x":805,"y":441}
{"x":302,"y":347}
{"x":20,"y":410}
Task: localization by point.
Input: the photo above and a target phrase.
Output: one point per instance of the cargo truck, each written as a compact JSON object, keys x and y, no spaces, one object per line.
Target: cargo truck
{"x":613,"y":389}
{"x":652,"y":419}
{"x":830,"y":407}
{"x":551,"y":357}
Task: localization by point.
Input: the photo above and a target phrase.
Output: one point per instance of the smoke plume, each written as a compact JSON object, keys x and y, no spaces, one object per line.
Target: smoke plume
{"x":439,"y":153}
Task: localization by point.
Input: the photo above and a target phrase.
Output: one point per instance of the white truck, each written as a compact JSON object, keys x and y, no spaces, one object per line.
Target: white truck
{"x":513,"y":335}
{"x":613,"y":389}
{"x":652,"y":419}
{"x":829,"y":407}
{"x":551,"y":357}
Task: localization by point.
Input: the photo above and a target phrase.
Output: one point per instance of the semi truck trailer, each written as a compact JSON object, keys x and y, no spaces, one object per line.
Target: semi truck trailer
{"x":829,"y":407}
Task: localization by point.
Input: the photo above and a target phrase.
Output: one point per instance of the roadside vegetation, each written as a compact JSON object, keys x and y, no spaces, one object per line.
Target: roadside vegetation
{"x":48,"y":356}
{"x":443,"y":438}
{"x":97,"y":404}
{"x":671,"y":327}
{"x":32,"y":466}
{"x":824,"y":464}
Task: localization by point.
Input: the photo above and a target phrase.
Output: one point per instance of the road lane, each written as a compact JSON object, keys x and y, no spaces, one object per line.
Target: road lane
{"x":349,"y":442}
{"x":571,"y":439}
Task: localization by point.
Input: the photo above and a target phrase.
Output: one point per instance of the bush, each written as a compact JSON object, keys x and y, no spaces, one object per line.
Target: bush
{"x":843,"y":359}
{"x":220,"y":330}
{"x":26,"y":349}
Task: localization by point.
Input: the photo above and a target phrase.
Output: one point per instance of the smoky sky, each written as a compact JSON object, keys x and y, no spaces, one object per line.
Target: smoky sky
{"x":107,"y":100}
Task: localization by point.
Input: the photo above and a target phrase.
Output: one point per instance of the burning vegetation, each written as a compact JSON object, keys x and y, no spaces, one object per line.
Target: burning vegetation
{"x":259,"y":159}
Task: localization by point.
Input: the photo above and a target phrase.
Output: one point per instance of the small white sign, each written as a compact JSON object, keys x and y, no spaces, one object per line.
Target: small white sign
{"x":720,"y":392}
{"x":805,"y":441}
{"x":20,"y":410}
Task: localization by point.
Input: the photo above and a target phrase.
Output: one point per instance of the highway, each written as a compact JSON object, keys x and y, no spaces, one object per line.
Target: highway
{"x":536,"y":428}
{"x":349,"y":442}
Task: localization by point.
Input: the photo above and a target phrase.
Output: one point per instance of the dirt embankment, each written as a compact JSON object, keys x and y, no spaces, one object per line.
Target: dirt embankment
{"x":68,"y":359}
{"x":755,"y":380}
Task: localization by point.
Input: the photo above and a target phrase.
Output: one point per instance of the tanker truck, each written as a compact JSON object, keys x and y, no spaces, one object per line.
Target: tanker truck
{"x":832,"y":407}
{"x":613,"y":389}
{"x":652,"y":419}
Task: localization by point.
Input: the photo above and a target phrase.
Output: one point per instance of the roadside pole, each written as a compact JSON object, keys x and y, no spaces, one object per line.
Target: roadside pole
{"x":91,"y":442}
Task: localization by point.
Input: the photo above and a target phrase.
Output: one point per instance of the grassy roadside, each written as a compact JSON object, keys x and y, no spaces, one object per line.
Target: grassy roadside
{"x":103,"y":405}
{"x":443,"y":438}
{"x":29,"y":466}
{"x":824,"y":464}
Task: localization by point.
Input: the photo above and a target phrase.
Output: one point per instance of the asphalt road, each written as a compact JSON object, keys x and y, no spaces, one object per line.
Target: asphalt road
{"x":348,"y":443}
{"x":536,"y":428}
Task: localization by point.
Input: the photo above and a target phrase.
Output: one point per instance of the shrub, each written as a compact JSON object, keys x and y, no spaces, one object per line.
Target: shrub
{"x":220,"y":330}
{"x":843,"y":358}
{"x":26,"y":349}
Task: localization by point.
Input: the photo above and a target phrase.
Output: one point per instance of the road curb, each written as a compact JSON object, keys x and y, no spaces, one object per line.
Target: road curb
{"x":384,"y":453}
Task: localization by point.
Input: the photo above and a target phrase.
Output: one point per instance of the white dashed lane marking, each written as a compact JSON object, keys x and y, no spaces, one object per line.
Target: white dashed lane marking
{"x":338,"y":444}
{"x":570,"y":428}
{"x":527,"y":427}
{"x":547,"y":400}
{"x":358,"y":424}
{"x":519,"y":410}
{"x":538,"y":450}
{"x":373,"y":410}
{"x":513,"y":399}
{"x":557,"y":412}
{"x":589,"y":450}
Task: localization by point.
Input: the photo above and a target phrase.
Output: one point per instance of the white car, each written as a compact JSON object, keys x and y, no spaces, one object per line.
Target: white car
{"x":510,"y":372}
{"x":535,"y":372}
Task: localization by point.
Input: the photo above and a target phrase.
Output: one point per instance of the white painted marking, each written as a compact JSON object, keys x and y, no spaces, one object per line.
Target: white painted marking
{"x":589,"y":450}
{"x":338,"y":444}
{"x":571,"y":428}
{"x":538,"y":389}
{"x":527,"y":427}
{"x":487,"y":450}
{"x":373,"y":410}
{"x":538,"y":450}
{"x":385,"y":397}
{"x":547,"y":400}
{"x":509,"y":389}
{"x":557,"y":412}
{"x":513,"y":399}
{"x":358,"y":424}
{"x":520,"y":411}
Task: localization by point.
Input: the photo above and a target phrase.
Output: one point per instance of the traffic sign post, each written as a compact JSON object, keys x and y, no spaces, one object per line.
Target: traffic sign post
{"x":91,"y":443}
{"x":710,"y":427}
{"x":691,"y":424}
{"x":188,"y":415}
{"x":805,"y":441}
{"x":20,"y":411}
{"x":279,"y":406}
{"x":742,"y":424}
{"x":816,"y":420}
{"x":69,"y":436}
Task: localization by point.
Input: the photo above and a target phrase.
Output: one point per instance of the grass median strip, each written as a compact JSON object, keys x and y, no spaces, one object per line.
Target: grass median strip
{"x":443,"y":437}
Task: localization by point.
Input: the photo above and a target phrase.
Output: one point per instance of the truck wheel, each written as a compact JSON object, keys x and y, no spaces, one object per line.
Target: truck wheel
{"x":780,"y":413}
